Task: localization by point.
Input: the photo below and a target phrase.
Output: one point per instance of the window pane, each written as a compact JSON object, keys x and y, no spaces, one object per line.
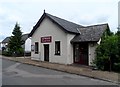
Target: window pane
{"x":57,"y":47}
{"x":36,"y":47}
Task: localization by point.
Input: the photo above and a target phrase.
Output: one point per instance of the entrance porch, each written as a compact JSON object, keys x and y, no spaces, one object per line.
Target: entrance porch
{"x":80,"y":53}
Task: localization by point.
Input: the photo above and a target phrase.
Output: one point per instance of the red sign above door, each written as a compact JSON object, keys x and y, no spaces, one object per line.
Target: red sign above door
{"x":47,"y":39}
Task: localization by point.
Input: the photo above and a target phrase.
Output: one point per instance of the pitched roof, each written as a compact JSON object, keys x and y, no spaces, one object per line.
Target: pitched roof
{"x":24,"y":38}
{"x":67,"y":26}
{"x":90,"y":33}
{"x":6,"y":40}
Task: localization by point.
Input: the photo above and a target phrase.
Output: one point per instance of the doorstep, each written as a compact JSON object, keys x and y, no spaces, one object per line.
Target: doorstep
{"x":74,"y":69}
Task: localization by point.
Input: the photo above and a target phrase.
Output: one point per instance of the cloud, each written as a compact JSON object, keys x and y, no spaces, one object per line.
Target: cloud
{"x":102,"y":19}
{"x":14,"y":18}
{"x":28,"y":12}
{"x":2,"y":37}
{"x":87,"y":19}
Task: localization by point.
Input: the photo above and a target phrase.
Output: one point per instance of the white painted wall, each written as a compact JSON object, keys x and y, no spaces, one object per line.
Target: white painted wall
{"x":92,"y":47}
{"x":28,"y":45}
{"x":70,"y":48}
{"x":4,"y":45}
{"x":99,"y":41}
{"x":48,"y":28}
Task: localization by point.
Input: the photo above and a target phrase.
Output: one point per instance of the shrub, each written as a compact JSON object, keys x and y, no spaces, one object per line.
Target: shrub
{"x":6,"y":53}
{"x":117,"y":67}
{"x":107,"y":54}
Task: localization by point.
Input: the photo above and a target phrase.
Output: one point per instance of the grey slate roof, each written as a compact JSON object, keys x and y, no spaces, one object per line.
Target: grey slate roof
{"x":6,"y":40}
{"x":90,"y":33}
{"x":67,"y":26}
{"x":24,"y":38}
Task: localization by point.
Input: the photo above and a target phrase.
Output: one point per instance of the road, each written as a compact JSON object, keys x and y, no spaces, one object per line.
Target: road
{"x":14,"y":73}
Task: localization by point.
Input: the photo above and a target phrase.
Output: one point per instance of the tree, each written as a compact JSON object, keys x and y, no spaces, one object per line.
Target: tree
{"x":107,"y":53}
{"x":118,"y":34}
{"x":15,"y":43}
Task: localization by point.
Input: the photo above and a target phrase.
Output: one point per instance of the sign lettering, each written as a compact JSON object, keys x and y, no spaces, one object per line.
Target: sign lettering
{"x":47,"y":39}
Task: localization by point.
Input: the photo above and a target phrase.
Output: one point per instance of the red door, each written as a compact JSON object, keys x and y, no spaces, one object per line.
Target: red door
{"x":76,"y":53}
{"x":81,"y":53}
{"x":46,"y":52}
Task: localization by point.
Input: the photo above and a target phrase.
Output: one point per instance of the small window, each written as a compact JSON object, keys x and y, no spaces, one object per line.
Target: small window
{"x":36,"y":48}
{"x":57,"y":47}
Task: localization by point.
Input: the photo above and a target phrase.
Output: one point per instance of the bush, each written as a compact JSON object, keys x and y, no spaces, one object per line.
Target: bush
{"x":20,"y":52}
{"x":102,"y":63}
{"x":107,"y":54}
{"x":3,"y":48}
{"x":6,"y":53}
{"x":117,"y":67}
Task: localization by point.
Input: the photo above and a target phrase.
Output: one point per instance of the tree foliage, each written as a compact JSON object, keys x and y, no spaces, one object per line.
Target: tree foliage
{"x":118,"y":34}
{"x":107,"y":53}
{"x":15,"y":43}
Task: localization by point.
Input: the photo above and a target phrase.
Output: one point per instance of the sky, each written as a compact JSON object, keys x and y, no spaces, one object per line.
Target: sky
{"x":83,"y":12}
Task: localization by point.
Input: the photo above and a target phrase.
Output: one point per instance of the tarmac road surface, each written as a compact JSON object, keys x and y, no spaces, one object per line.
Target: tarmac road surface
{"x":14,"y":73}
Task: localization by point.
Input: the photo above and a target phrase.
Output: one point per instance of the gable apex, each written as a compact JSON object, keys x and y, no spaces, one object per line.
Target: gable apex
{"x":65,"y":25}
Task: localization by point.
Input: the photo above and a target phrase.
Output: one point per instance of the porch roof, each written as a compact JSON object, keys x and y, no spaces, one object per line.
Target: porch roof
{"x":90,"y":33}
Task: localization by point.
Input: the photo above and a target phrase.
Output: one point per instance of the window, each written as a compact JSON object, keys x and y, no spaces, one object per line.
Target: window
{"x":36,"y":47}
{"x":57,"y":47}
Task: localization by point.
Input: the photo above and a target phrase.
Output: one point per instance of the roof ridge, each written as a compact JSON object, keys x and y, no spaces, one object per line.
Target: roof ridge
{"x":97,"y":25}
{"x":25,"y":34}
{"x":67,"y":26}
{"x":8,"y":37}
{"x":65,"y":20}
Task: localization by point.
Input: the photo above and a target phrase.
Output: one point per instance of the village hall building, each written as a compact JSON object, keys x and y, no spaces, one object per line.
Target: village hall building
{"x":56,"y":40}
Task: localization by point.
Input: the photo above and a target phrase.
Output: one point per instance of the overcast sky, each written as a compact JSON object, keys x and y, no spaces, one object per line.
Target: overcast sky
{"x":83,"y":12}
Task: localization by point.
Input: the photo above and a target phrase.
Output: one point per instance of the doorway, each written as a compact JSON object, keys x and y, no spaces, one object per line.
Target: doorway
{"x":81,"y":53}
{"x":46,"y":52}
